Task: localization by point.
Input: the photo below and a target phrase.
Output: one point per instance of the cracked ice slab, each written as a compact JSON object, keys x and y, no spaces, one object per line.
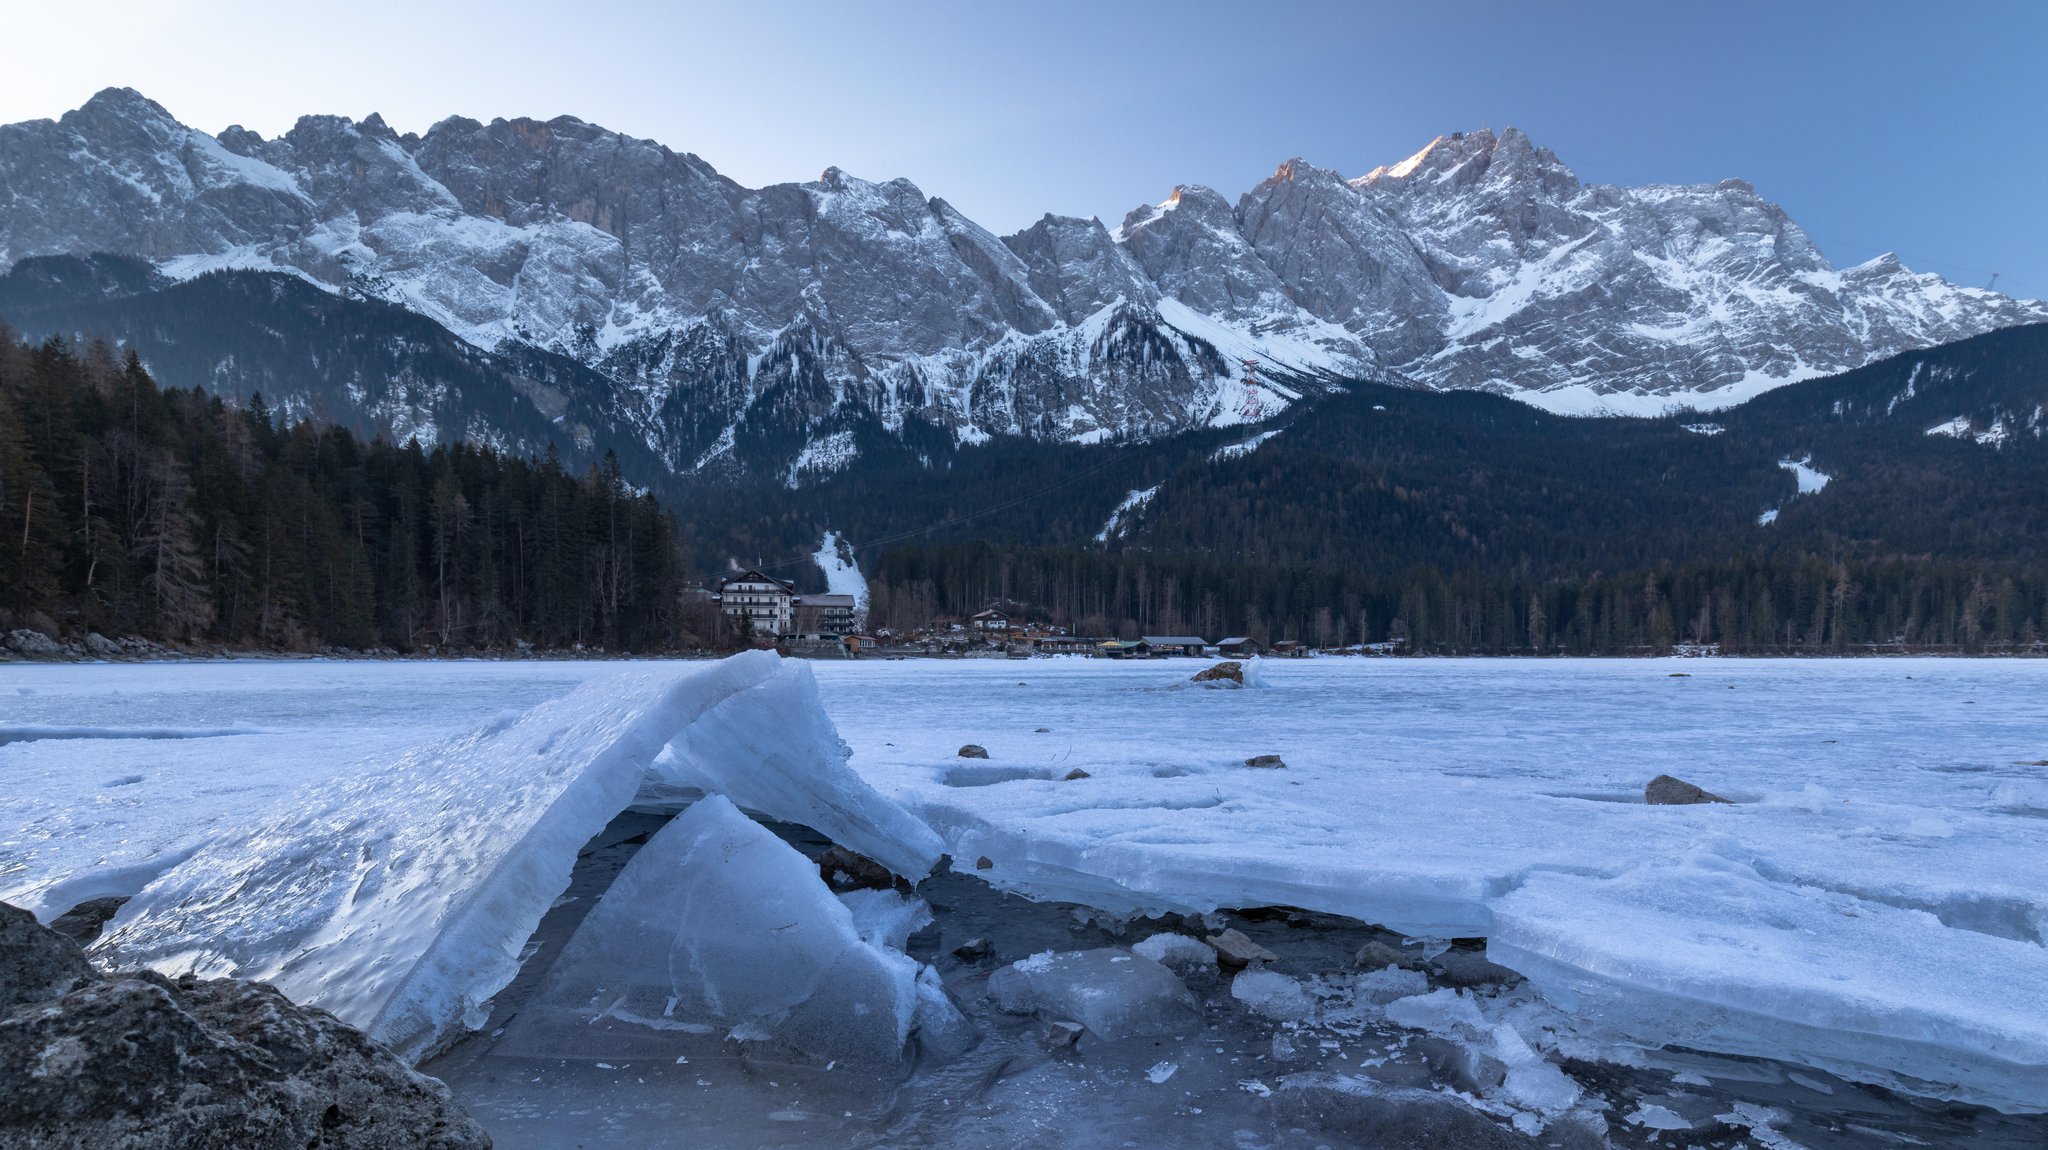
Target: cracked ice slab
{"x":716,"y":924}
{"x":778,"y":754}
{"x":398,"y":895}
{"x":1709,"y":953}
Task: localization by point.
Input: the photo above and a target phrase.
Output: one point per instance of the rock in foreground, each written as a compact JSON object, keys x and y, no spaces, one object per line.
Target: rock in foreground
{"x":142,"y":1061}
{"x":1229,"y":671}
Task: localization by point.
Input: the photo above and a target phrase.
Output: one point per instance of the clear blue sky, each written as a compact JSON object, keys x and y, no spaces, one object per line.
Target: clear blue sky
{"x":1888,"y":125}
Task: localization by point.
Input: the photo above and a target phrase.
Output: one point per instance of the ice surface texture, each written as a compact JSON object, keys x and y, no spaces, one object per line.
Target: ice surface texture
{"x":717,"y":923}
{"x":398,"y":897}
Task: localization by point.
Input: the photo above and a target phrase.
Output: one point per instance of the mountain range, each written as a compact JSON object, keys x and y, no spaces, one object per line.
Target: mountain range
{"x":525,"y":282}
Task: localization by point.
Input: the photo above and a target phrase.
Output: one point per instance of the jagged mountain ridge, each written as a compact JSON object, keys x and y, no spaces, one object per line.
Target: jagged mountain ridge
{"x":802,"y":312}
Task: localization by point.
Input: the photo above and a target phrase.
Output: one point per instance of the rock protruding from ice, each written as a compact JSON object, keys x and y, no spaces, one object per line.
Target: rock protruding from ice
{"x":1229,"y":673}
{"x":777,"y":754}
{"x":718,"y":925}
{"x":1112,"y":992}
{"x":36,"y":963}
{"x":1235,"y":951}
{"x":1665,"y":791}
{"x":398,"y":895}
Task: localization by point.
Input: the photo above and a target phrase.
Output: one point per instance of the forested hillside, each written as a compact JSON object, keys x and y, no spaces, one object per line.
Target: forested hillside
{"x":1464,"y":522}
{"x":167,"y":513}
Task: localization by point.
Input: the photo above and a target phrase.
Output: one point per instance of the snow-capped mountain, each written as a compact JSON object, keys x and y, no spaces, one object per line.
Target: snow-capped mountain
{"x":805,"y":313}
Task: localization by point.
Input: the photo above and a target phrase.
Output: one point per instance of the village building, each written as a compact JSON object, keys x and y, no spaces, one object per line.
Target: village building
{"x":1290,"y":648}
{"x":765,"y":601}
{"x":990,"y":620}
{"x":1181,"y":646}
{"x":1067,"y":645}
{"x":818,"y":616}
{"x":1239,"y":647}
{"x":1123,"y":649}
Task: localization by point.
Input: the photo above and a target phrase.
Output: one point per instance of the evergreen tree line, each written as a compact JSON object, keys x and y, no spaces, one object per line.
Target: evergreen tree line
{"x":126,"y":509}
{"x":1764,"y":604}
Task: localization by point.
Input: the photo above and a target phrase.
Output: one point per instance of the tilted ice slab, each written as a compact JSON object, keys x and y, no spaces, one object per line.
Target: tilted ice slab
{"x":1710,"y":954}
{"x":777,"y":754}
{"x":398,"y":897}
{"x":716,"y":924}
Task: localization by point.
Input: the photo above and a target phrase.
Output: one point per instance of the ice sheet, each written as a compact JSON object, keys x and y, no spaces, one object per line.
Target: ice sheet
{"x":1430,"y":794}
{"x":1878,"y":803}
{"x":398,"y":895}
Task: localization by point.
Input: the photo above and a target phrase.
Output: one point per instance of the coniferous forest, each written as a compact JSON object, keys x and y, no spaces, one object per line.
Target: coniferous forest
{"x":1452,"y":524}
{"x":168,"y":514}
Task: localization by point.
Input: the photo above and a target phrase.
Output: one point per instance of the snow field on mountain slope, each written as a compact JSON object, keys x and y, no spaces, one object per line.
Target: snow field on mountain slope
{"x":1870,"y":903}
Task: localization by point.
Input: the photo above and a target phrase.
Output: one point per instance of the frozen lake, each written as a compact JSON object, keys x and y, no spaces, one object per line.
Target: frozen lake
{"x":1873,"y":903}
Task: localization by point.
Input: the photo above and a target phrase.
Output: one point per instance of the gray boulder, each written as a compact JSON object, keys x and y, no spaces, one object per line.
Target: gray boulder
{"x":34,"y":644}
{"x":973,"y":751}
{"x":36,"y":963}
{"x":143,"y":1062}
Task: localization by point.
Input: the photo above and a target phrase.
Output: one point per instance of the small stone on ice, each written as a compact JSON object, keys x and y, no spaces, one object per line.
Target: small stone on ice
{"x":1667,"y":791}
{"x":1265,"y":762}
{"x":973,"y":751}
{"x":1235,"y":952}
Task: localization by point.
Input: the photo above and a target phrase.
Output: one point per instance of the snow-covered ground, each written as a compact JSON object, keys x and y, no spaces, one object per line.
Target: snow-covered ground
{"x":1873,"y":902}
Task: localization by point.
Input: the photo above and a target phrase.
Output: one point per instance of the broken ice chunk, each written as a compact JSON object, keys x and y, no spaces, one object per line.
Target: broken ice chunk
{"x":1177,"y":951}
{"x":1112,"y":992}
{"x":780,"y":756}
{"x":1273,"y":995}
{"x":886,"y":918}
{"x":1383,"y":986}
{"x":716,"y":922}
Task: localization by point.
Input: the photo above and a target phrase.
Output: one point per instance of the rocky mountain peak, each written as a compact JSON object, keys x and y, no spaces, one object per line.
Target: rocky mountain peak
{"x":1478,"y":262}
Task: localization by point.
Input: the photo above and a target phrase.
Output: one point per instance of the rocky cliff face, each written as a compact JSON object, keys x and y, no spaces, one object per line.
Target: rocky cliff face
{"x":739,"y":325}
